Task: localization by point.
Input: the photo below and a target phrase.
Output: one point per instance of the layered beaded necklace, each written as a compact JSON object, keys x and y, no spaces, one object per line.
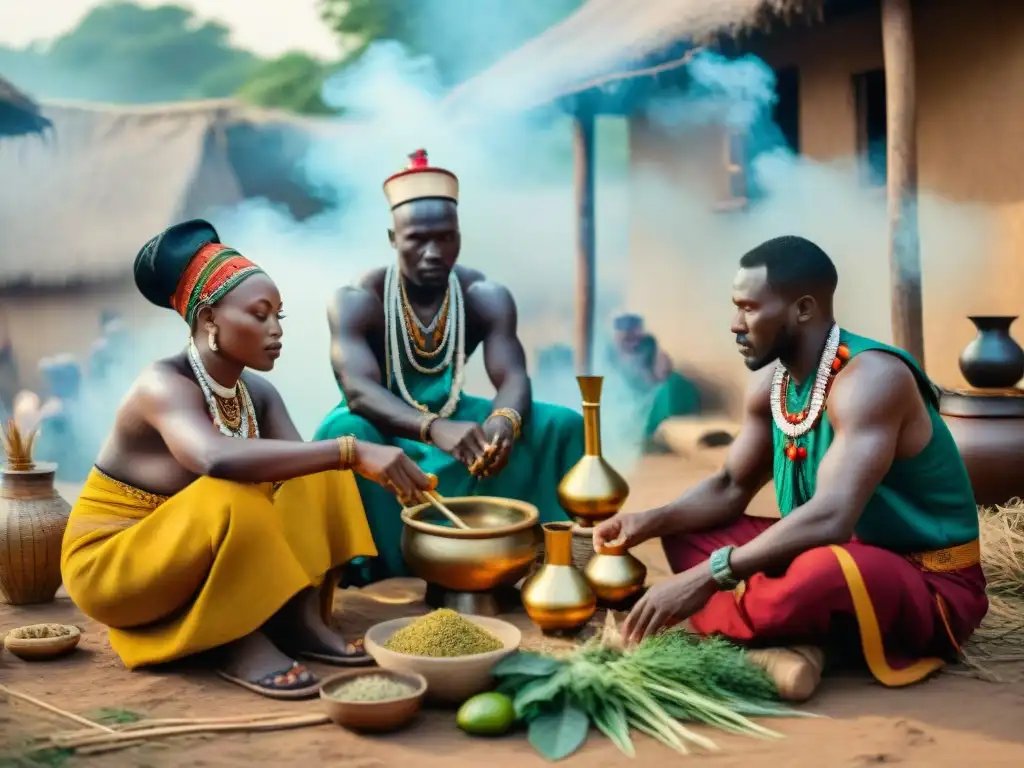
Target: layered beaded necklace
{"x":796,"y":425}
{"x":231,"y":409}
{"x":435,"y":329}
{"x":448,"y":329}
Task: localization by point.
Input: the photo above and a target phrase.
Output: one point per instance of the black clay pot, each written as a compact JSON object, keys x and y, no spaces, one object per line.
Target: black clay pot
{"x":993,"y":360}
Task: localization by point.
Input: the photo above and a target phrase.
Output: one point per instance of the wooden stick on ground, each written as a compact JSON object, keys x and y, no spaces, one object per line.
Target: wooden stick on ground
{"x":115,"y":739}
{"x":54,"y":710}
{"x":148,"y":724}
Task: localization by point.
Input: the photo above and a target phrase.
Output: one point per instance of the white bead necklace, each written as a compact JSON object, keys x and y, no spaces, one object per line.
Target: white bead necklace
{"x":209,"y":387}
{"x":453,"y":341}
{"x":818,"y":392}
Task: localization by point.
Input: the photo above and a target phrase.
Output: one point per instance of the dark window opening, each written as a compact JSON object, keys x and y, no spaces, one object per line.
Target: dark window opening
{"x":773,"y":129}
{"x":786,"y":110}
{"x":872,"y":125}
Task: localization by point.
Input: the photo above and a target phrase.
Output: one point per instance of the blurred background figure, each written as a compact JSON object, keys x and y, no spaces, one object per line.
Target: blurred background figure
{"x":61,"y":438}
{"x":647,"y":372}
{"x":110,"y":350}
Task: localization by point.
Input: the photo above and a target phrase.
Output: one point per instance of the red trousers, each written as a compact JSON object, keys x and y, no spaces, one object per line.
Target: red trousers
{"x":909,"y":618}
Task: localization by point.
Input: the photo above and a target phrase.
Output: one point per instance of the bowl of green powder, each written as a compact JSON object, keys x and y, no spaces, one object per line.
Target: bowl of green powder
{"x":453,"y":651}
{"x":373,"y":700}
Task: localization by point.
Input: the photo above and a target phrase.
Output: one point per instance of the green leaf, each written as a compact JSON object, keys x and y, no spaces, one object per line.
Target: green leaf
{"x":526,"y":664}
{"x":512,"y":684}
{"x":559,"y":733}
{"x":540,"y":690}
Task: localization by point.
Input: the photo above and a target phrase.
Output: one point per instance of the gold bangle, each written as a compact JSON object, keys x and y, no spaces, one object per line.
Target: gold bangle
{"x":429,"y":419}
{"x":347,"y":450}
{"x":513,"y":418}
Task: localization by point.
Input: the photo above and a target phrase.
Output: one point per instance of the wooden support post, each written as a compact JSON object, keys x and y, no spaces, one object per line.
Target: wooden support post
{"x":901,"y":161}
{"x":586,"y":264}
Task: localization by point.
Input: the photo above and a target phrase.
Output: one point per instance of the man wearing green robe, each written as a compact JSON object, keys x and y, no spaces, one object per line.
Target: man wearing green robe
{"x":400,"y":341}
{"x":646,"y":370}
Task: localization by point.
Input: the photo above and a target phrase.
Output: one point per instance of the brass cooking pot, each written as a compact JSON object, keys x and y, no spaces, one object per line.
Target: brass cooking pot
{"x":498,"y":550}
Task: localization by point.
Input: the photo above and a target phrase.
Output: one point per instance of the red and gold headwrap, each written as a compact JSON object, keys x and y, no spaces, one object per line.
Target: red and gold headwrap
{"x":211,"y":273}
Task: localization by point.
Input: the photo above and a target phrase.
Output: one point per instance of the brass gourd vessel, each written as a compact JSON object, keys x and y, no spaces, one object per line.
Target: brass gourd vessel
{"x":557,"y":597}
{"x":592,"y":490}
{"x":615,"y":575}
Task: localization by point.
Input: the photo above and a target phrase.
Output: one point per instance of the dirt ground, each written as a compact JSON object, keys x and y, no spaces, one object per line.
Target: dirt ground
{"x":951,"y":720}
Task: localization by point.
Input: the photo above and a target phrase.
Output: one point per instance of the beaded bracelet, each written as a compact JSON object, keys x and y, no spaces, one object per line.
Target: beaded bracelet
{"x":347,"y":449}
{"x":513,"y":418}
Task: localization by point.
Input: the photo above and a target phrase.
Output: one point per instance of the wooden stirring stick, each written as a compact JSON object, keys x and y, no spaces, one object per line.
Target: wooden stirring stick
{"x":434,"y":498}
{"x":455,"y":520}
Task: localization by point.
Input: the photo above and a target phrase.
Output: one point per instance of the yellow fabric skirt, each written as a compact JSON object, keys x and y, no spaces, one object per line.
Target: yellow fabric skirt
{"x":174,"y":576}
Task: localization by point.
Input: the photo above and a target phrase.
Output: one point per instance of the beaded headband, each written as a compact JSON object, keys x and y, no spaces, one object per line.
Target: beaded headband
{"x":210,"y":275}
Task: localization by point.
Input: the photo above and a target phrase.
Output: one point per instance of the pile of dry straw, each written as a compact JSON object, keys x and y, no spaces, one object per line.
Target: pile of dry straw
{"x":997,"y":649}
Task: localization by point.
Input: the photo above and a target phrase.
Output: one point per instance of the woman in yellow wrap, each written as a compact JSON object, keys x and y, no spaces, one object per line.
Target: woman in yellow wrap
{"x":190,"y":533}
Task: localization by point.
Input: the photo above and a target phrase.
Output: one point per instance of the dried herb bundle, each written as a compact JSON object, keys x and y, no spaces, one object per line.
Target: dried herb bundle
{"x":18,"y":447}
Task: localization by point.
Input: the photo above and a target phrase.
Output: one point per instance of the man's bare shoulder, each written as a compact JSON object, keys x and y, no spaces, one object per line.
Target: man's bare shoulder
{"x":875,"y":384}
{"x":757,"y":401}
{"x":469,"y":277}
{"x":491,"y":304}
{"x":355,"y":306}
{"x":372,"y":281}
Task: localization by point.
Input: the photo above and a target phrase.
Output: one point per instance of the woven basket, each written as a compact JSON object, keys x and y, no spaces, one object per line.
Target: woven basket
{"x":33,"y":517}
{"x":582,"y":549}
{"x":582,"y":546}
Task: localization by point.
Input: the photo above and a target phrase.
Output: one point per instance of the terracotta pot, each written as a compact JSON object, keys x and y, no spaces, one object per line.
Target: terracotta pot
{"x":33,"y":517}
{"x":993,"y":360}
{"x":988,"y":428}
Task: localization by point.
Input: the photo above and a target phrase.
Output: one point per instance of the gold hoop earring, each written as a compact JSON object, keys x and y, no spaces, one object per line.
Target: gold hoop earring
{"x":211,"y":339}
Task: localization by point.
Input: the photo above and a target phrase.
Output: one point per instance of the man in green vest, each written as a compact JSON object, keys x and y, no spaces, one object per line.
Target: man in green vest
{"x":878,"y":536}
{"x":401,"y":338}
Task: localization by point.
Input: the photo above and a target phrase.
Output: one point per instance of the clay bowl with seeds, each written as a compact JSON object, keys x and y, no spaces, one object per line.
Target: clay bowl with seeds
{"x":373,"y":700}
{"x":37,"y":642}
{"x":451,"y":679}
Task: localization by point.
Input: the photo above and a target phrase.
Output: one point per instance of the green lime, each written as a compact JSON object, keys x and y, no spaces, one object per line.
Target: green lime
{"x":486,"y":714}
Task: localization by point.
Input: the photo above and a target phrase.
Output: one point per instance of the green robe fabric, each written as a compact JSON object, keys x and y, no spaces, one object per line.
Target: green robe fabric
{"x":923,"y":503}
{"x":550,"y":445}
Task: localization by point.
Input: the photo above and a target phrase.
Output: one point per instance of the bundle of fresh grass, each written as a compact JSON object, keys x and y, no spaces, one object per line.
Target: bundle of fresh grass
{"x":669,"y":678}
{"x":999,"y":641}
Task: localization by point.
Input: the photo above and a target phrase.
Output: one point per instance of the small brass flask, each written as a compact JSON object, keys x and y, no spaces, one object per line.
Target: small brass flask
{"x":615,"y":575}
{"x":557,"y":597}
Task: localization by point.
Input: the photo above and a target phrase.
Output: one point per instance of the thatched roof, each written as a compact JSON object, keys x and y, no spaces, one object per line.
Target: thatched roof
{"x":18,"y":113}
{"x":76,"y":208}
{"x":605,"y":37}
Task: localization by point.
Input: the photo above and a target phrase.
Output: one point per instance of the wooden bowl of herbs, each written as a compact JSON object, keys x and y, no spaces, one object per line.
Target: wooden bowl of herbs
{"x":38,"y":642}
{"x":373,"y":700}
{"x":453,"y":651}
